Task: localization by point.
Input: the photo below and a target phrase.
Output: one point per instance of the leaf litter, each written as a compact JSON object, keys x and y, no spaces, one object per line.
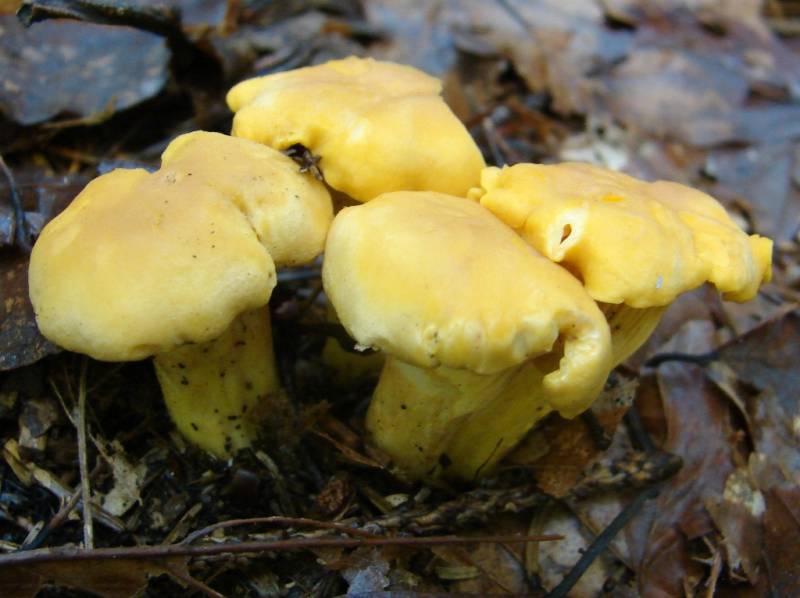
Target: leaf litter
{"x":703,"y":93}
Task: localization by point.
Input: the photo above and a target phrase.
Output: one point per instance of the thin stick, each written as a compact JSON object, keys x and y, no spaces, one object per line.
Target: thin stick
{"x":713,"y":577}
{"x":515,"y":14}
{"x":696,"y":358}
{"x":56,"y":521}
{"x":639,"y":436}
{"x":601,"y":543}
{"x":64,"y":554}
{"x":21,"y":235}
{"x":86,"y":494}
{"x":192,"y":582}
{"x":277,"y":520}
{"x":61,"y":516}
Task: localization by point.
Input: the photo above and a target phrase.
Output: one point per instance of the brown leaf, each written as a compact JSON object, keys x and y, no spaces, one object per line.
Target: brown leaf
{"x":486,"y":569}
{"x":20,"y":340}
{"x":765,"y":363}
{"x":571,"y":445}
{"x":767,"y":358}
{"x":782,"y":551}
{"x":696,"y":73}
{"x":670,"y":92}
{"x":42,"y":197}
{"x":416,"y":35}
{"x":556,"y":559}
{"x":762,"y":174}
{"x":738,"y":516}
{"x":553,"y":46}
{"x":77,"y":69}
{"x":117,"y":578}
{"x":699,"y":431}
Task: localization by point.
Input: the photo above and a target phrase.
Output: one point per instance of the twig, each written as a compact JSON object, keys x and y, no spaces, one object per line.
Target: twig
{"x":276,"y":520}
{"x":601,"y":543}
{"x":54,"y":522}
{"x":59,"y":518}
{"x":515,"y":14}
{"x":86,"y":493}
{"x":72,"y":554}
{"x":636,"y":470}
{"x":21,"y":234}
{"x":52,"y":484}
{"x":638,"y":435}
{"x":470,"y":507}
{"x":713,"y":577}
{"x":191,"y":581}
{"x":699,"y":359}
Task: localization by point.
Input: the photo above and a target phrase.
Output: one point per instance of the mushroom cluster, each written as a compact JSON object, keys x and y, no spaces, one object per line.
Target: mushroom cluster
{"x":484,"y":336}
{"x":496,"y":295}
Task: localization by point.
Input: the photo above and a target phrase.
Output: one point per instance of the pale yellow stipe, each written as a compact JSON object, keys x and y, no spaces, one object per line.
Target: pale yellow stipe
{"x":453,"y":423}
{"x":217,"y":392}
{"x":630,"y":327}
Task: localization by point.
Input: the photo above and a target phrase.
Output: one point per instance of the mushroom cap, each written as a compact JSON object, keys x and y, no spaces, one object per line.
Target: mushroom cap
{"x":630,"y":241}
{"x":437,"y":280}
{"x":290,"y":213}
{"x":141,"y":263}
{"x":377,"y":126}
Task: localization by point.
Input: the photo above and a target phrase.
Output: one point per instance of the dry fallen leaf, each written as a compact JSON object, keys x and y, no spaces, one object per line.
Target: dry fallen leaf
{"x":76,"y":69}
{"x":117,"y":578}
{"x":20,"y":341}
{"x":699,"y":430}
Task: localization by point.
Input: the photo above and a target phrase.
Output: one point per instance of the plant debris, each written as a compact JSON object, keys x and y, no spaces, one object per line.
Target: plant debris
{"x":684,"y":478}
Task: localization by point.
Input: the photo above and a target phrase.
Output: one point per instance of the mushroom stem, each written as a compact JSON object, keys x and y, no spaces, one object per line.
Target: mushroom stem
{"x":216,"y":391}
{"x":630,"y":327}
{"x":453,"y":422}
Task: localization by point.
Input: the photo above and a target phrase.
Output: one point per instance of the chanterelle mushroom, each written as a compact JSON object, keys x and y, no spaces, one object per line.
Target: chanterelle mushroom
{"x":180,"y":264}
{"x":635,"y":245}
{"x":377,"y":126}
{"x":483,"y":335}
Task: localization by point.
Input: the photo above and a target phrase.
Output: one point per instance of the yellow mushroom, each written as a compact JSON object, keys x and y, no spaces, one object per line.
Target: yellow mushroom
{"x":180,"y":264}
{"x":483,"y":335}
{"x":377,"y":126}
{"x":635,"y":245}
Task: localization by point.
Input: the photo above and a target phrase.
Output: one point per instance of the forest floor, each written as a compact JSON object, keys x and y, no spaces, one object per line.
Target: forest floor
{"x":684,"y":479}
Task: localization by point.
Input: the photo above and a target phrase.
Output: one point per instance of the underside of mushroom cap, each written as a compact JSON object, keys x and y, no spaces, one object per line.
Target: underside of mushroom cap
{"x":437,"y":280}
{"x":131,"y":268}
{"x":377,"y":126}
{"x":630,"y":241}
